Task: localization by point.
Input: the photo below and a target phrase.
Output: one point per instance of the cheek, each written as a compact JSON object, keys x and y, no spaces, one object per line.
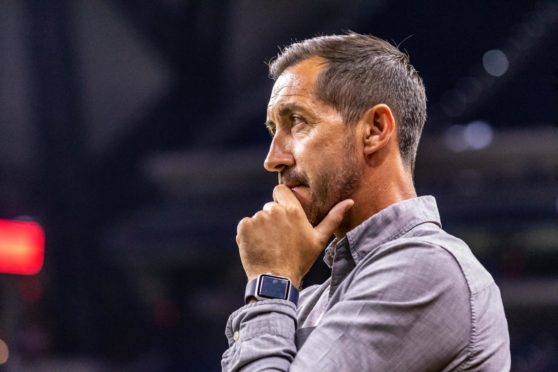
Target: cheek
{"x":306,"y":157}
{"x":302,"y":156}
{"x":299,"y":148}
{"x":316,"y":157}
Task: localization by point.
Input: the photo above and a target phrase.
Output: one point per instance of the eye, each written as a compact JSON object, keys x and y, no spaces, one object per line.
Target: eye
{"x":299,"y":124}
{"x":296,"y":119}
{"x":271,"y":129}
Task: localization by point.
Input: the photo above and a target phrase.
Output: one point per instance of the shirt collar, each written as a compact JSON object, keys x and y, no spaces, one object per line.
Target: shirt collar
{"x":386,"y":225}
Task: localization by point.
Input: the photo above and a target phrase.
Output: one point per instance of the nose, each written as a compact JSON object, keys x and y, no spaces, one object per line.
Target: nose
{"x":279,"y":156}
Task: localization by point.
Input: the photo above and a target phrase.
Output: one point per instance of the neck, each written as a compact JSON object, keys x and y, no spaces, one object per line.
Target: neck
{"x":372,"y":196}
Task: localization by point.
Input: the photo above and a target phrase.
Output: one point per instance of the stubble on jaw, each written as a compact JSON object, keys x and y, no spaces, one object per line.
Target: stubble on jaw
{"x":333,"y":188}
{"x":334,"y":185}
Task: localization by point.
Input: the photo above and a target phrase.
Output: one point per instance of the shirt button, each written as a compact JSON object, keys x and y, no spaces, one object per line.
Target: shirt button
{"x":236,"y":336}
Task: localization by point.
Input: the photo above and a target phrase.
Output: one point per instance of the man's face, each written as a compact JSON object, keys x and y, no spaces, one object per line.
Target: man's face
{"x":312,"y":148}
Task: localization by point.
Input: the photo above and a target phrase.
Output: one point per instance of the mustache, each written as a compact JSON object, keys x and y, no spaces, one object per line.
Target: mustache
{"x":292,"y":177}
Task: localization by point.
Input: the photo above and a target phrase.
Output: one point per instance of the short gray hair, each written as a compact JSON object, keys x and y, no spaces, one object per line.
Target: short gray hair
{"x":363,"y":71}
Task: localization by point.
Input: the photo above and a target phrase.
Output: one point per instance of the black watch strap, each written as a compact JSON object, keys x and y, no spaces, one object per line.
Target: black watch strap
{"x":267,"y":286}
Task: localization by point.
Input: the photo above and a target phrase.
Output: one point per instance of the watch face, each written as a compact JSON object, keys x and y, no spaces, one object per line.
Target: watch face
{"x":273,"y":287}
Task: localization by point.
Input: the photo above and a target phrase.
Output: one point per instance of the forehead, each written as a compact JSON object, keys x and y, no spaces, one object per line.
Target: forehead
{"x":296,"y":83}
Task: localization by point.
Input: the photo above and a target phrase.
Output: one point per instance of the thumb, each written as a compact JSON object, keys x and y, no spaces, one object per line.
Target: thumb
{"x":331,"y":222}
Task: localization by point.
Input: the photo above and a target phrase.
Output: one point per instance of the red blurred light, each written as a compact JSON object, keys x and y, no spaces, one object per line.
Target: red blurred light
{"x":21,"y":247}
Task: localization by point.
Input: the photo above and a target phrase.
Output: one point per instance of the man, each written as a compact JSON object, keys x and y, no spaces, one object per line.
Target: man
{"x":346,"y":113}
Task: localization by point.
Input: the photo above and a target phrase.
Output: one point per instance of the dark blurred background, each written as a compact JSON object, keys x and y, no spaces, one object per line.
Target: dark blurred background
{"x":133,"y":132}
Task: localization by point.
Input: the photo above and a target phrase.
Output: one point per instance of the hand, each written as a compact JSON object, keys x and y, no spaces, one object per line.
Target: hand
{"x":280,"y":240}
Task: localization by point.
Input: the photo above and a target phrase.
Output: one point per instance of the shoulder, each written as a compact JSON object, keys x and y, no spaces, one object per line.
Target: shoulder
{"x":416,"y":291}
{"x":419,"y":275}
{"x":419,"y":263}
{"x":432,"y":251}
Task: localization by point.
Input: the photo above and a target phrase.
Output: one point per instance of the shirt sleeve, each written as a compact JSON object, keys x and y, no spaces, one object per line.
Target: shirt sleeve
{"x":261,"y":337}
{"x":406,"y":310}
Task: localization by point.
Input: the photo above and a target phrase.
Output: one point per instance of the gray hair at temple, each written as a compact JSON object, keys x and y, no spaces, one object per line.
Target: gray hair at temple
{"x":363,"y":71}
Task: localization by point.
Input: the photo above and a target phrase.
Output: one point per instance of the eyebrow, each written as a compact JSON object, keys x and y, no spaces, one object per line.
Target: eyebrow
{"x":289,"y":107}
{"x":285,"y":109}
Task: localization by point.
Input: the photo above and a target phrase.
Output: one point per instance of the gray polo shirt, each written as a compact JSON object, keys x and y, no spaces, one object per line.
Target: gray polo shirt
{"x":403,"y":295}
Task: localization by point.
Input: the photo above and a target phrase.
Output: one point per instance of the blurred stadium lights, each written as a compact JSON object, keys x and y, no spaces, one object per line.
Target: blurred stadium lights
{"x":476,"y":135}
{"x":517,"y":174}
{"x":454,"y":138}
{"x":533,"y":33}
{"x":495,"y":62}
{"x":21,"y":247}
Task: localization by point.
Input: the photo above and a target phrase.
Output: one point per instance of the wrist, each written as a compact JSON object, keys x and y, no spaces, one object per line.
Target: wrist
{"x":296,"y":282}
{"x":269,"y":286}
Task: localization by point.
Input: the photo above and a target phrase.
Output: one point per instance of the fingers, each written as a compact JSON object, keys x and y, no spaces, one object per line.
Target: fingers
{"x":331,"y":222}
{"x":241,"y":229}
{"x":269,"y":206}
{"x":284,"y":196}
{"x":242,"y":224}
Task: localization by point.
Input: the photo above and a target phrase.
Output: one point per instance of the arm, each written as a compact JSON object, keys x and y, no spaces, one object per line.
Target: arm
{"x":406,"y":310}
{"x":261,"y":337}
{"x":278,"y":240}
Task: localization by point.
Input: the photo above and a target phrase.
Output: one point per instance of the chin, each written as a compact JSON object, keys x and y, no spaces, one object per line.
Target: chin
{"x":306,"y":206}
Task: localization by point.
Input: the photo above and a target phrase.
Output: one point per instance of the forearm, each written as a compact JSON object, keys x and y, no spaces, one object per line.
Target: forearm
{"x":261,"y":337}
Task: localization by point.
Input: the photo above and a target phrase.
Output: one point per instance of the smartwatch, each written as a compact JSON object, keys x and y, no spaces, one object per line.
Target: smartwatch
{"x":267,"y":286}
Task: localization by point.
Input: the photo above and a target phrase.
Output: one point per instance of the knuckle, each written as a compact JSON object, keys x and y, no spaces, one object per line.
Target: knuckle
{"x":291,"y":210}
{"x":275,"y":208}
{"x":238,"y":238}
{"x":268,"y":206}
{"x":278,"y":211}
{"x":243,"y":224}
{"x":258,"y":216}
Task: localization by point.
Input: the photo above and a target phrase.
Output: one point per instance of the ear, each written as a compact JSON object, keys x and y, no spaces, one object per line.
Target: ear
{"x":378,"y":128}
